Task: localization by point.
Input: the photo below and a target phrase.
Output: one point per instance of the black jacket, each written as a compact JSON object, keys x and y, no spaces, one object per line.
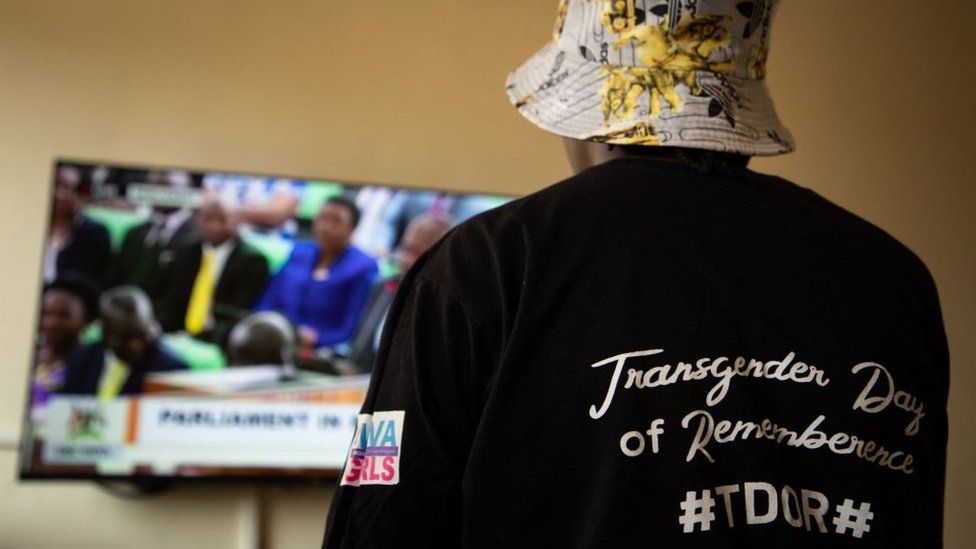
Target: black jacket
{"x":87,"y":252}
{"x":86,"y":364}
{"x":146,"y":265}
{"x":241,"y":283}
{"x":374,"y":313}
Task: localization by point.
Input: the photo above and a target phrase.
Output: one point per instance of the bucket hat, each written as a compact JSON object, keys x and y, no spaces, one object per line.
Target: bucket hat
{"x":681,"y":73}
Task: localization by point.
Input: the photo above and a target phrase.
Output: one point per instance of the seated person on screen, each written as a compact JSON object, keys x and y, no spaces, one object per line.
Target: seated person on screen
{"x":76,"y":244}
{"x":422,"y":233}
{"x":67,"y":307}
{"x":323,"y":286}
{"x":130,"y":349}
{"x":263,"y":339}
{"x":149,"y":248}
{"x":213,"y":284}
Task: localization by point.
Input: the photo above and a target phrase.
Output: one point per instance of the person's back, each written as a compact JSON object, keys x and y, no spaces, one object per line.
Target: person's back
{"x":645,"y":353}
{"x":665,"y":350}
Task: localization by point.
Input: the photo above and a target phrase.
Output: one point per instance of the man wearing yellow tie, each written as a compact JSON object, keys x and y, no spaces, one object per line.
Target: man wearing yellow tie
{"x":215,"y":283}
{"x":129,"y":349}
{"x":201,"y":299}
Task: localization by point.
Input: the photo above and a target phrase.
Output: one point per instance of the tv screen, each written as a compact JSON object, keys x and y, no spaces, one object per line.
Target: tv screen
{"x":211,"y":324}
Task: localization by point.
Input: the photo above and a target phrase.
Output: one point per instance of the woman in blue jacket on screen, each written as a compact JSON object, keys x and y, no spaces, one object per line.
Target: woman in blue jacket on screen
{"x":323,"y":286}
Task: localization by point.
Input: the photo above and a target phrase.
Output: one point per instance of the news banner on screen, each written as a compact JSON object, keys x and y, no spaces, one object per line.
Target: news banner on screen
{"x":214,"y":324}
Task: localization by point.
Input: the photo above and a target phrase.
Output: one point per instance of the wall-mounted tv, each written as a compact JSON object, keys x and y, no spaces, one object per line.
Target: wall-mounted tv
{"x":214,"y":324}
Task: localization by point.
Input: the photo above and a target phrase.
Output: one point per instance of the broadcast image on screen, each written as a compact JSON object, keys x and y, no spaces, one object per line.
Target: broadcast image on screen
{"x":214,"y":324}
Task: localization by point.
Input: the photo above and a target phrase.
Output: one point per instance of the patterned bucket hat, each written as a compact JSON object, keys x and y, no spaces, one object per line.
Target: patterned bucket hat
{"x":681,"y":73}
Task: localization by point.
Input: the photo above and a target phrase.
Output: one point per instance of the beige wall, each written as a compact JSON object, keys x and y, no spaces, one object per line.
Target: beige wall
{"x":878,"y":93}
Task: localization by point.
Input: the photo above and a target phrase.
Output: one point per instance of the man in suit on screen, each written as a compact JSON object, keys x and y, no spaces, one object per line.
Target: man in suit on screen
{"x":129,"y":350}
{"x":213,"y":284}
{"x":149,"y":248}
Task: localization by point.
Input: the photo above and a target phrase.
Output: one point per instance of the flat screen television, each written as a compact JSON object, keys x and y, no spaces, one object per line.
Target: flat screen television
{"x":214,"y":324}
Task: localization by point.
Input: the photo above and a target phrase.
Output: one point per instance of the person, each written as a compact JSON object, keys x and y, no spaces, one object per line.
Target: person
{"x":149,"y":248}
{"x":665,"y":349}
{"x":422,"y":232}
{"x":129,"y":350}
{"x":213,"y":284}
{"x":76,"y":244}
{"x":323,"y":286}
{"x":67,"y":308}
{"x":264,"y":339}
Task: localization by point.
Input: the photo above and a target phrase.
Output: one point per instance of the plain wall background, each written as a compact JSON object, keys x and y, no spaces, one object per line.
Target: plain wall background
{"x":877,"y":92}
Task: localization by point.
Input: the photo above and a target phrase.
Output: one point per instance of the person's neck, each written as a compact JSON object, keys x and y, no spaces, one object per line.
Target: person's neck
{"x":600,"y":153}
{"x":215,"y":245}
{"x":61,"y":352}
{"x":326,"y":258}
{"x":63,"y":224}
{"x":584,"y":155}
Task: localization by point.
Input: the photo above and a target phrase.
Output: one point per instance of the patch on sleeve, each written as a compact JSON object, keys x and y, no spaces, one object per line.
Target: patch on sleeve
{"x":374,"y":456}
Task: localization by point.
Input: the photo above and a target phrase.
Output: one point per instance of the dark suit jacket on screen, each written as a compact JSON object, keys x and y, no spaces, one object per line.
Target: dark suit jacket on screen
{"x":86,"y":364}
{"x":146,"y":265}
{"x":87,"y":252}
{"x":362,"y":350}
{"x":241,"y":283}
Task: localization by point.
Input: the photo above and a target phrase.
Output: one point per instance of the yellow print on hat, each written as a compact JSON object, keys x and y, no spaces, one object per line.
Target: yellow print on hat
{"x":670,"y":57}
{"x":561,"y":11}
{"x":757,"y":63}
{"x":641,"y":133}
{"x":619,"y":15}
